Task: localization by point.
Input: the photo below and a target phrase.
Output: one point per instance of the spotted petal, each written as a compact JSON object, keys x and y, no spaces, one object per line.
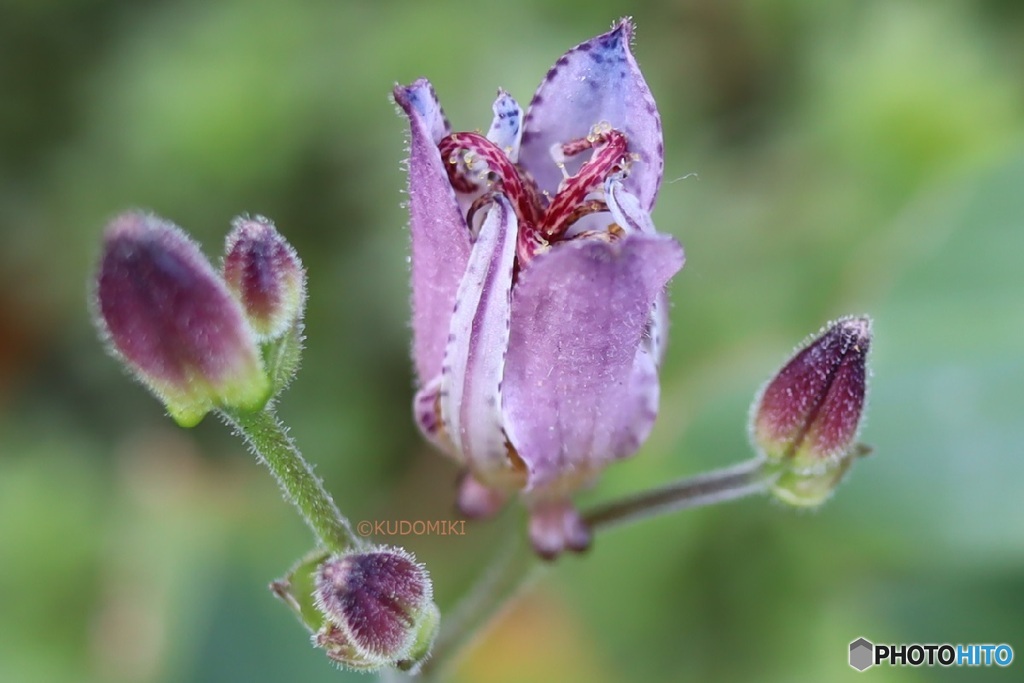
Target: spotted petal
{"x":507,"y":126}
{"x":440,"y":239}
{"x":595,"y":82}
{"x":577,"y":381}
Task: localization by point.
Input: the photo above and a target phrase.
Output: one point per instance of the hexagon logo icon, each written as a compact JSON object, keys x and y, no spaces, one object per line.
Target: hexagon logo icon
{"x":861,"y":654}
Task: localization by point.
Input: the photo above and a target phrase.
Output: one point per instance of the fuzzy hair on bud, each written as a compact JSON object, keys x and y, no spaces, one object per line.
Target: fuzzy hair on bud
{"x":379,"y":609}
{"x":808,"y":416}
{"x":169,"y":317}
{"x":265,"y":274}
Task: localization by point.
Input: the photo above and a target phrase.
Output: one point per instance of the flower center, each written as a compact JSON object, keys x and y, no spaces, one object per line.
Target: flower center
{"x":477,"y":166}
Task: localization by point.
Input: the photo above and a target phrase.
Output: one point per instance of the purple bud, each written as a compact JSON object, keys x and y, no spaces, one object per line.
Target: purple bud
{"x":808,"y":415}
{"x":379,"y":609}
{"x":170,"y":318}
{"x":263,"y":271}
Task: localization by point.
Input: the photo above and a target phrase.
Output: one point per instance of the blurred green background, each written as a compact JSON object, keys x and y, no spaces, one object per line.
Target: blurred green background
{"x":850,"y":156}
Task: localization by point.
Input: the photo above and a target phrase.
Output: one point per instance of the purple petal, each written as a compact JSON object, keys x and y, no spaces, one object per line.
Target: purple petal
{"x":643,"y":395}
{"x":656,"y":334}
{"x":474,"y":359}
{"x":627,"y":212}
{"x":555,"y":527}
{"x":419,"y":101}
{"x":427,"y":415}
{"x":625,"y":208}
{"x":576,"y":391}
{"x":596,"y":81}
{"x":507,"y":126}
{"x":477,"y":501}
{"x":440,"y":239}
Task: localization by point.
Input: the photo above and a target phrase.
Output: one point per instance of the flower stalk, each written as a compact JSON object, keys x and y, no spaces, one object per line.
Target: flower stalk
{"x":269,"y":440}
{"x":748,"y":478}
{"x":515,"y":566}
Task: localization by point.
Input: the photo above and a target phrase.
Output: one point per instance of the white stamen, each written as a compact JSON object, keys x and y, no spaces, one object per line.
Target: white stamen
{"x":558,"y":156}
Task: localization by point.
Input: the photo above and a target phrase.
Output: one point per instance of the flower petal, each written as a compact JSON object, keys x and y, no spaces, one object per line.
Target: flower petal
{"x":656,"y":334}
{"x":625,"y":208}
{"x":426,"y":415}
{"x":575,"y":386}
{"x":644,"y":393}
{"x":477,"y":501}
{"x":628,"y":214}
{"x":474,"y":360}
{"x":419,"y":101}
{"x":596,"y":81}
{"x":557,"y":526}
{"x":440,"y":239}
{"x":507,"y":126}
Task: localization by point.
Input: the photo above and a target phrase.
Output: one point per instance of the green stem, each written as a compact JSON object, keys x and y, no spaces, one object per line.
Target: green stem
{"x":515,"y":565}
{"x":269,"y":440}
{"x":512,"y":569}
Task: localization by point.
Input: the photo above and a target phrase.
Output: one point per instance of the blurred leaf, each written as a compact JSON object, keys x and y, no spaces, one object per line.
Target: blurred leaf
{"x":949,"y":380}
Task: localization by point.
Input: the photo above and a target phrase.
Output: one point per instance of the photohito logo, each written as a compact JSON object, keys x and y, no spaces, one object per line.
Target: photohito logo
{"x":864,"y":654}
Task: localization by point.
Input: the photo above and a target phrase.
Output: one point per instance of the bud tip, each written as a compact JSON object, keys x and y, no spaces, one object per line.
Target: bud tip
{"x":264,"y":273}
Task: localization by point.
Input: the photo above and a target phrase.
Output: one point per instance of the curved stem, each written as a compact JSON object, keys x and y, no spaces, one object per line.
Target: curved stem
{"x":513,"y":568}
{"x":269,"y":440}
{"x":718,"y":486}
{"x":515,"y":565}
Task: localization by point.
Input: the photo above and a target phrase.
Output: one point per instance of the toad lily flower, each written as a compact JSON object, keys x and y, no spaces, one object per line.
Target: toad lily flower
{"x":538,"y":283}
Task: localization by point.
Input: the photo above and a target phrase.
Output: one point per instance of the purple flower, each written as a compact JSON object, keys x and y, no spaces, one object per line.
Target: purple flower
{"x":171,"y":319}
{"x":538,"y":283}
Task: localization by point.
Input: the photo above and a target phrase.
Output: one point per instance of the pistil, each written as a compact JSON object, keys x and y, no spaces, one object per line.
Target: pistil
{"x":471,"y":154}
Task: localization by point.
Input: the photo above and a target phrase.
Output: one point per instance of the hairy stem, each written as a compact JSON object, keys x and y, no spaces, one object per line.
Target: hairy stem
{"x":511,"y":570}
{"x":515,"y":564}
{"x":718,"y":486}
{"x":269,"y":440}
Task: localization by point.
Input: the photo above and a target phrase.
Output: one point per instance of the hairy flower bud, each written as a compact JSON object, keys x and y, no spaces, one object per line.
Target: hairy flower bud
{"x":169,"y":317}
{"x":379,"y":609}
{"x":808,"y":415}
{"x":264,"y":273}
